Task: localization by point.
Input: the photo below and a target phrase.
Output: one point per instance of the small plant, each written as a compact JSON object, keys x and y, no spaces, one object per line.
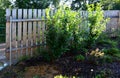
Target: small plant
{"x":97,"y":53}
{"x":107,"y":59}
{"x":99,"y":76}
{"x":112,"y":51}
{"x":96,"y":56}
{"x":36,"y":76}
{"x":23,"y":58}
{"x":106,"y":73}
{"x":80,"y":57}
{"x":107,"y":43}
{"x":44,"y":53}
{"x":60,"y":76}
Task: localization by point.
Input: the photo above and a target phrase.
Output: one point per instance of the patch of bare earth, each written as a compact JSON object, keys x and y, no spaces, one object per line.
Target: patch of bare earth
{"x":44,"y":71}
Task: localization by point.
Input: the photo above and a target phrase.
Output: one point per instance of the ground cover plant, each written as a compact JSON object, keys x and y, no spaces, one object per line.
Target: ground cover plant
{"x":74,"y":49}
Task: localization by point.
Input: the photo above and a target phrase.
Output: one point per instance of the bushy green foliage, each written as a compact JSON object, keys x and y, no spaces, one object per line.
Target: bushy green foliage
{"x":37,"y":4}
{"x":80,"y":57}
{"x":106,"y":4}
{"x":5,"y":4}
{"x":111,"y":54}
{"x":62,"y":30}
{"x":41,"y":4}
{"x":112,"y":51}
{"x":111,"y":4}
{"x":107,"y":43}
{"x":2,"y":25}
{"x":108,"y":59}
{"x":96,"y":22}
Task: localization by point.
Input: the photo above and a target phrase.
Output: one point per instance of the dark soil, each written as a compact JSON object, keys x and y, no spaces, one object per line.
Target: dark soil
{"x":66,"y":66}
{"x":89,"y":69}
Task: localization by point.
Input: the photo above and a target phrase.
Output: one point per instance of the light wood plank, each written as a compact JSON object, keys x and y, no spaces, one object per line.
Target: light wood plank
{"x":19,"y":31}
{"x":8,"y":14}
{"x":119,"y":20}
{"x":43,"y":27}
{"x":30,"y":40}
{"x":34,"y":30}
{"x":39,"y":27}
{"x":13,"y":39}
{"x":34,"y":26}
{"x":25,"y":29}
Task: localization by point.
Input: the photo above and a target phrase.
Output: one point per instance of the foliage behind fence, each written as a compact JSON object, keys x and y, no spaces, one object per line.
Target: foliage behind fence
{"x":2,"y":26}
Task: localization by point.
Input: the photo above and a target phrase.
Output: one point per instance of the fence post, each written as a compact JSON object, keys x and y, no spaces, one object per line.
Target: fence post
{"x":10,"y":42}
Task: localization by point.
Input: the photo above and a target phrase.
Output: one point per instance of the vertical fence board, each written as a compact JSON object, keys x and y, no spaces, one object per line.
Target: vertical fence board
{"x":19,"y":32}
{"x":13,"y":33}
{"x":119,"y":22}
{"x":8,"y":14}
{"x":39,"y":27}
{"x":25,"y":30}
{"x":34,"y":29}
{"x":105,"y":15}
{"x":34,"y":26}
{"x":30,"y":41}
{"x":43,"y":28}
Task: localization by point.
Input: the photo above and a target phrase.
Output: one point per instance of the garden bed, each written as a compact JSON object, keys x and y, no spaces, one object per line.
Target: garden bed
{"x":67,"y":66}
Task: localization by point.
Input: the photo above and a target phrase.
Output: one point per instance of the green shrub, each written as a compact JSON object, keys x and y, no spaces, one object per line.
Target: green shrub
{"x":107,"y":43}
{"x":96,"y":22}
{"x":112,"y":51}
{"x":117,"y":55}
{"x":107,"y":59}
{"x":62,"y":31}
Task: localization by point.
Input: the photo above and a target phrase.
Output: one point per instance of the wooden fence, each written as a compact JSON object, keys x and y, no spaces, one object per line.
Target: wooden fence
{"x":113,"y":26}
{"x":25,"y":30}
